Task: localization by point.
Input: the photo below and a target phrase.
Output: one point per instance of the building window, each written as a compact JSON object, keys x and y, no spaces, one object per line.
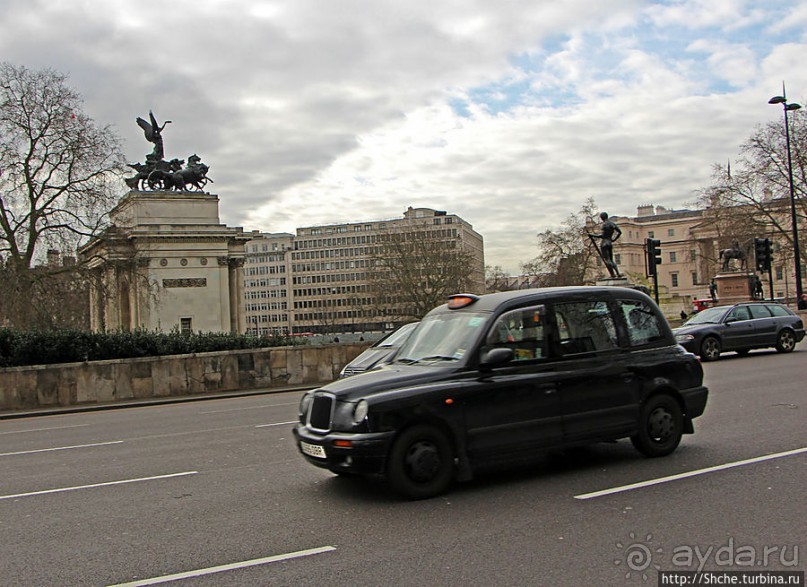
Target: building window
{"x":674,"y":277}
{"x":673,"y":257}
{"x":670,"y":232}
{"x":694,"y":278}
{"x":651,"y":234}
{"x":186,"y":325}
{"x":779,"y":273}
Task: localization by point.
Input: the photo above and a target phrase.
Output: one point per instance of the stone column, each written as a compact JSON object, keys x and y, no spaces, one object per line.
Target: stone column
{"x":96,"y":300}
{"x":238,"y":322}
{"x":140,"y":286}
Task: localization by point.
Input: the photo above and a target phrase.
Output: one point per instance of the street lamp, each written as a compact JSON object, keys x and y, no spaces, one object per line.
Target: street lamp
{"x":788,"y":107}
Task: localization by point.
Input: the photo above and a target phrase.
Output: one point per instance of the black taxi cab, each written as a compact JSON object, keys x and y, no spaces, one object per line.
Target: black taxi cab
{"x":499,"y":379}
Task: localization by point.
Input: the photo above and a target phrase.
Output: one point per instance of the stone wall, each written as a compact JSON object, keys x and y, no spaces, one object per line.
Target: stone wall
{"x":102,"y":382}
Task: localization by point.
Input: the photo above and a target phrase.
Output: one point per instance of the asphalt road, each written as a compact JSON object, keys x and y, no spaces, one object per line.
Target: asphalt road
{"x":214,"y":493}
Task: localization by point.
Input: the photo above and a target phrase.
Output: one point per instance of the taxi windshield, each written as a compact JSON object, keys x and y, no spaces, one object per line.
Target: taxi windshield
{"x":442,"y":337}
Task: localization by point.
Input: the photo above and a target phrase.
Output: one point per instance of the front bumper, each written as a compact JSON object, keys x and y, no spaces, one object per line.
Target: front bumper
{"x":691,"y":346}
{"x":345,"y":452}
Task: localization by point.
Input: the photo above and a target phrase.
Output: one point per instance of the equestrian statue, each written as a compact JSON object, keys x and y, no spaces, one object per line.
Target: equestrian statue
{"x":735,"y":252}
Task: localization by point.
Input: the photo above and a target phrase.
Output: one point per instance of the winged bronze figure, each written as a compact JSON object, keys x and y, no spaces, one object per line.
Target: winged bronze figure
{"x":153,"y":132}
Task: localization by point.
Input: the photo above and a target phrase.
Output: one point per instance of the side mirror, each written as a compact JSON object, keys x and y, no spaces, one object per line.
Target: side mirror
{"x":496,"y":357}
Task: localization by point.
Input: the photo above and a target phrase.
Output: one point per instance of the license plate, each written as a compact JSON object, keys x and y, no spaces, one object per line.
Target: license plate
{"x":312,"y":450}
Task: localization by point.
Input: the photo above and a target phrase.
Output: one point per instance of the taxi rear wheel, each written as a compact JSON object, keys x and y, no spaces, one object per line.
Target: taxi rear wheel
{"x":661,"y":426}
{"x":421,"y":462}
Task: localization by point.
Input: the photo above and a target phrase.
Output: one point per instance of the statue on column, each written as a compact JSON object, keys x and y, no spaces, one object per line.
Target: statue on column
{"x":609,"y":234}
{"x":735,"y":252}
{"x":153,"y":132}
{"x":157,"y":173}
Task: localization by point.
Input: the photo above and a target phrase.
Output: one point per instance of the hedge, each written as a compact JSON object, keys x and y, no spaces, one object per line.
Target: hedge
{"x":18,"y":347}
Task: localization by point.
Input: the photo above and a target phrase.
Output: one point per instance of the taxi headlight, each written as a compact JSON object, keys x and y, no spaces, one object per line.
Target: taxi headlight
{"x":360,"y":411}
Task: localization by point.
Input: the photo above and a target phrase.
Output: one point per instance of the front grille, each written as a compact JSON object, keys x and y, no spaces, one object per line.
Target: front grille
{"x":320,"y":412}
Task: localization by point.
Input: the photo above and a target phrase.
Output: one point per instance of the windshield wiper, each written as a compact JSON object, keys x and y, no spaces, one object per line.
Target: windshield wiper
{"x":436,"y":358}
{"x":409,"y":361}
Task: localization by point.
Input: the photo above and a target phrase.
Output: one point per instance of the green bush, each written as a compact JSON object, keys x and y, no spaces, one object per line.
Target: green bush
{"x":18,"y":347}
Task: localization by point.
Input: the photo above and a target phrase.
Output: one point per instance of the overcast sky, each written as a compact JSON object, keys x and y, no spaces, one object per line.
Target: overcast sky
{"x":508,"y":113}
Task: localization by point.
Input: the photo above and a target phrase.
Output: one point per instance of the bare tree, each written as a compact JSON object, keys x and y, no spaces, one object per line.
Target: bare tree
{"x":57,"y":169}
{"x":414,"y":270}
{"x":496,"y":279}
{"x":753,"y":199}
{"x":47,"y":296}
{"x":566,"y":255}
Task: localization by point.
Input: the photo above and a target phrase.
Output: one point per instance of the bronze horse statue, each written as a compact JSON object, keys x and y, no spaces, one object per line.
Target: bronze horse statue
{"x":735,"y":252}
{"x":178,"y":179}
{"x":139,"y":181}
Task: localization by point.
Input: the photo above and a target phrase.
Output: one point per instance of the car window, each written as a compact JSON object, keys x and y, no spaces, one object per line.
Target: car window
{"x":585,"y":327}
{"x":778,"y":310}
{"x":521,"y":330}
{"x":707,"y":316}
{"x":642,"y":321}
{"x":738,"y":313}
{"x":759,"y":311}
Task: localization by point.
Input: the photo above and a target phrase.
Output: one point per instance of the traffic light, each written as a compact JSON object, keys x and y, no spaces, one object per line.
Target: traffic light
{"x":762,"y":253}
{"x":652,"y":248}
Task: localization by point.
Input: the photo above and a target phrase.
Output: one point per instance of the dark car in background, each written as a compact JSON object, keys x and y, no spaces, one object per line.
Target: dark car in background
{"x":740,"y":328}
{"x":497,"y":380}
{"x":379,"y":353}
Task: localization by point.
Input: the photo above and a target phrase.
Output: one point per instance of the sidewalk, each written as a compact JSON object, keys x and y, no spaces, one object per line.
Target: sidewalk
{"x":135,"y":403}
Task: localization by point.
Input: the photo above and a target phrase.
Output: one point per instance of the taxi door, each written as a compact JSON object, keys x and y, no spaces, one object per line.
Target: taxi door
{"x":513,"y":409}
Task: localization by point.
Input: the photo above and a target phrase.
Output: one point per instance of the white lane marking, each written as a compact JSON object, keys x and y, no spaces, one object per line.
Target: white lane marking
{"x":249,"y":408}
{"x":42,"y":429}
{"x":276,"y":424}
{"x":229,"y":567}
{"x":690,"y":474}
{"x":29,"y":452}
{"x":121,"y":482}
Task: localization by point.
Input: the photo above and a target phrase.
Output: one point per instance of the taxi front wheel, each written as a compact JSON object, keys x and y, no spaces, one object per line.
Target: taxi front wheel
{"x":421,"y":462}
{"x":661,"y":425}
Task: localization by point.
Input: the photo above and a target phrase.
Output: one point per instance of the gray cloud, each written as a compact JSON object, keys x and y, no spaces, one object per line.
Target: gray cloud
{"x":310,"y":112}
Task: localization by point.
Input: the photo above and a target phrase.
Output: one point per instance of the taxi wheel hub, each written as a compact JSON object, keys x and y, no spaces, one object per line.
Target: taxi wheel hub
{"x":422,"y":461}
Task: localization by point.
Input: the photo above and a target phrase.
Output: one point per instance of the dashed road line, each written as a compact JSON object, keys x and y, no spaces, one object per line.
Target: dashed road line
{"x":93,"y":485}
{"x":43,"y":429}
{"x":29,"y":452}
{"x":229,"y":567}
{"x":276,"y":424}
{"x":660,"y":480}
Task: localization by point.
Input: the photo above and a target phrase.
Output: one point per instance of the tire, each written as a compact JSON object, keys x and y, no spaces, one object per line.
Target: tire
{"x":710,"y":349}
{"x":661,"y":426}
{"x":785,"y":341}
{"x":421,"y":463}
